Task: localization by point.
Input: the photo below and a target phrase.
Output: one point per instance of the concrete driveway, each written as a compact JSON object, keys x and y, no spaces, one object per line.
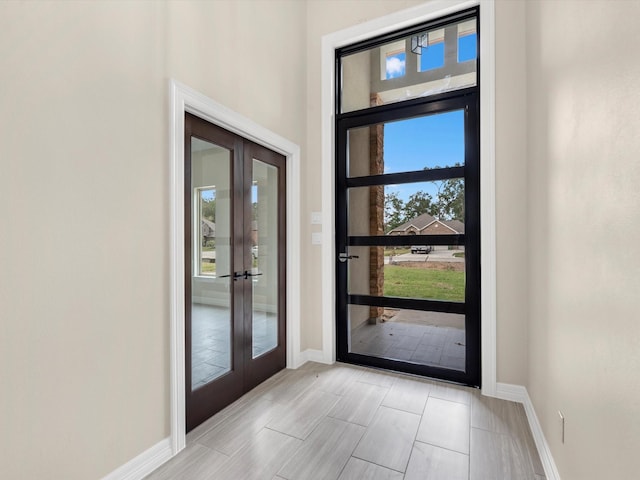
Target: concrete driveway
{"x":433,"y":256}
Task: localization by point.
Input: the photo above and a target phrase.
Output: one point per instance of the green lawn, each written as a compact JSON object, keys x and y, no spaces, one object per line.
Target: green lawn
{"x":423,"y":283}
{"x":208,"y":267}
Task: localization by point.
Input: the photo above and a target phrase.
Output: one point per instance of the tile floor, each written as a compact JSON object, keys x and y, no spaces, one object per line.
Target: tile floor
{"x":345,"y":422}
{"x":428,"y":338}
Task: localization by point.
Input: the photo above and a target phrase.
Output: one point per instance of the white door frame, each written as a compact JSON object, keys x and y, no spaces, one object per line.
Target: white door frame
{"x":185,"y":99}
{"x":381,"y":26}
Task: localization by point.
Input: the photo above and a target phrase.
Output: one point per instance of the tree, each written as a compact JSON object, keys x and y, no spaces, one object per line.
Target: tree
{"x":449,"y":204}
{"x":209,"y":209}
{"x":393,"y":211}
{"x":419,"y":203}
{"x":451,"y":200}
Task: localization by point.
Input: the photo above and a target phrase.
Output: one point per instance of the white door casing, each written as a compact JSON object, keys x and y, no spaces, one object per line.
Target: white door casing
{"x":185,"y":99}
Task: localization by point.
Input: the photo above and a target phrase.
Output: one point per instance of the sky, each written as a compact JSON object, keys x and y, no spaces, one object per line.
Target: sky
{"x":423,"y":142}
{"x":432,"y":56}
{"x":430,"y":141}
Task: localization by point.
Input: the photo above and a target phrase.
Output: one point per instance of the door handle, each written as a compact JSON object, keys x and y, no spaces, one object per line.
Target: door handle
{"x":236,"y":276}
{"x":343,"y":257}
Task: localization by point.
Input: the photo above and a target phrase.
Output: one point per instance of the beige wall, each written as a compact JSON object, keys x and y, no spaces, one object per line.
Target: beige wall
{"x":84,"y":314}
{"x":322,"y":19}
{"x":511,"y":186}
{"x":83,"y":256}
{"x":583,"y":122}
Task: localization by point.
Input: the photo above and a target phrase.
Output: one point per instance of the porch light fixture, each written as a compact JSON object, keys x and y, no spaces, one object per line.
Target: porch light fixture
{"x":418,"y":42}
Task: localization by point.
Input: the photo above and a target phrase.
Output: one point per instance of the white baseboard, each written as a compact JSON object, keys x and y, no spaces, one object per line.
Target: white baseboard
{"x":145,"y":463}
{"x":310,"y":355}
{"x":518,"y":393}
{"x":513,"y":393}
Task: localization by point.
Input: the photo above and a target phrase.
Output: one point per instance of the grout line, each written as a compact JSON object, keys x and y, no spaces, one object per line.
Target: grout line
{"x":383,"y":466}
{"x":445,"y":448}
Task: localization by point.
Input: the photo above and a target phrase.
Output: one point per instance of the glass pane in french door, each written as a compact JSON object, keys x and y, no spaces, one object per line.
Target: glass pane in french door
{"x":264,"y":257}
{"x":211,"y":314}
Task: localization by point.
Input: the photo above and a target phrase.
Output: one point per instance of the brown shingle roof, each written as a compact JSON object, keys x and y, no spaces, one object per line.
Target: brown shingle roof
{"x":208,"y":228}
{"x":424,"y":220}
{"x":456,"y":225}
{"x":419,"y":222}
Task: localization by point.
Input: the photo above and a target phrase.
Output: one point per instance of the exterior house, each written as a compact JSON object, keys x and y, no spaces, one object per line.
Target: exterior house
{"x":425,"y":224}
{"x":208,"y":230}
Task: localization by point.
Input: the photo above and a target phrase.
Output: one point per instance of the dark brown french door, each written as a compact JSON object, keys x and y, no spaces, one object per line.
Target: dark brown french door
{"x":234,"y":199}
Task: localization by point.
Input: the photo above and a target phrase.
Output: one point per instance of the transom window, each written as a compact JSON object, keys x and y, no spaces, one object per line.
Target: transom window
{"x":415,"y":63}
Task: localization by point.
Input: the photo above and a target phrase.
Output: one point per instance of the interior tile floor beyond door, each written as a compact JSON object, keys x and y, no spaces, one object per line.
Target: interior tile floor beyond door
{"x":345,"y":422}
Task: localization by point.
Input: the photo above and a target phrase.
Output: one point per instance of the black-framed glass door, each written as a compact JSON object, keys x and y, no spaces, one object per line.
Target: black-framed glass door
{"x":408,"y":242}
{"x":235,"y":251}
{"x":408,"y":200}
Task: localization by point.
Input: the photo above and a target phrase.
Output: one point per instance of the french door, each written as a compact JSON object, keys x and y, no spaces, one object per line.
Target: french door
{"x":234,"y":201}
{"x":408,"y":237}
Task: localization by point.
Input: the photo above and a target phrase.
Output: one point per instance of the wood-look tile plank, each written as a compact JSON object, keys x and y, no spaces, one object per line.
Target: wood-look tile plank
{"x":377,"y":377}
{"x":491,"y":414}
{"x":300,"y":418}
{"x":497,"y":456}
{"x":207,"y":425}
{"x":454,"y":393}
{"x":325,"y":453}
{"x":261,"y":458}
{"x":407,"y":394}
{"x":435,"y":463}
{"x":389,"y":439}
{"x":509,"y":418}
{"x":445,"y":424}
{"x":289,"y":387}
{"x":337,"y":380}
{"x":241,"y":426}
{"x":259,"y":452}
{"x":246,"y":400}
{"x":525,"y":437}
{"x":196,"y":462}
{"x":360,"y":403}
{"x":357,"y":469}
